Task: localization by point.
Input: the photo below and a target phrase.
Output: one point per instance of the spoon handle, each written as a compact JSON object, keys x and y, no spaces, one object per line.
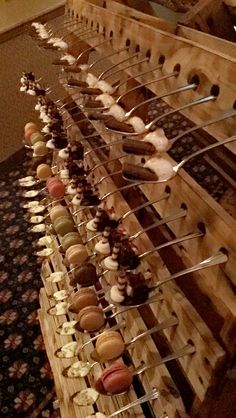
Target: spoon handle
{"x":115,"y":65}
{"x":203,"y":125}
{"x":139,"y":75}
{"x":126,"y":68}
{"x":183,"y":107}
{"x":172,"y":242}
{"x":203,"y":150}
{"x":91,"y":48}
{"x":180,"y":214}
{"x":129,"y":308}
{"x":208,"y":262}
{"x":144,"y":205}
{"x":187,"y":349}
{"x":154,"y":394}
{"x":163,"y":325}
{"x":107,"y":56}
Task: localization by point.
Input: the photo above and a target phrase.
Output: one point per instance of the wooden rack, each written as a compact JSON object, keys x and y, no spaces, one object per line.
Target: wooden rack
{"x":205,"y":302}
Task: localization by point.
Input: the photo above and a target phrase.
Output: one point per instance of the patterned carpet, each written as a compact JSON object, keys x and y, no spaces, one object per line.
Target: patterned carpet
{"x":26,"y":385}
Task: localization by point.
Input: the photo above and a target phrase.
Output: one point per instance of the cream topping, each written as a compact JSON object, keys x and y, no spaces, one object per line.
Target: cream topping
{"x":91,"y":80}
{"x":37,"y":209}
{"x":84,"y":67}
{"x":86,"y":397}
{"x":106,"y":99}
{"x":31,"y":193}
{"x":36,"y":219}
{"x":69,"y":58}
{"x":38,"y":228}
{"x":90,"y":226}
{"x":45,"y":253}
{"x":47,"y":241}
{"x":76,"y":200}
{"x":79,"y":369}
{"x":50,"y":144}
{"x":56,"y":276}
{"x":60,"y":295}
{"x":68,"y":328}
{"x":61,"y":44}
{"x":137,"y":123}
{"x":105,"y":87}
{"x":116,"y":111}
{"x":158,"y":139}
{"x":71,"y":190}
{"x":116,"y":295}
{"x":161,"y":167}
{"x":68,"y":350}
{"x":61,"y":308}
{"x":111,"y":264}
{"x":64,"y":154}
{"x":102,"y":247}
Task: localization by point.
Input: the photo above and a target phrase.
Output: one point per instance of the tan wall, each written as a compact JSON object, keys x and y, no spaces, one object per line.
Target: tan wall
{"x":17,"y":12}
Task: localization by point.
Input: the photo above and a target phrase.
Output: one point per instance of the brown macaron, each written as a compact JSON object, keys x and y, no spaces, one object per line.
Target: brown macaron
{"x":91,"y":318}
{"x":110,"y":345}
{"x":82,"y":298}
{"x":84,"y":275}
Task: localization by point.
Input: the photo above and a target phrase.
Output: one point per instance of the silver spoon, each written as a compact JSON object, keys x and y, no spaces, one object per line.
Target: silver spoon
{"x":149,"y":125}
{"x":220,"y":118}
{"x":154,"y":394}
{"x":219,"y":258}
{"x":175,"y":169}
{"x":129,"y":212}
{"x":93,"y":47}
{"x":173,"y":217}
{"x":170,"y":322}
{"x":186,"y":350}
{"x":187,"y":237}
{"x":98,"y":60}
{"x":119,"y":312}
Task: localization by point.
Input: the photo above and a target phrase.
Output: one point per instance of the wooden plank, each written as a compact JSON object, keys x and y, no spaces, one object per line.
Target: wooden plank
{"x":135,"y":13}
{"x":221,"y":46}
{"x":211,"y":67}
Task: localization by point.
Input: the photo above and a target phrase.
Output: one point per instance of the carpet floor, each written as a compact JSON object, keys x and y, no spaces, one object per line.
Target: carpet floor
{"x":26,"y":383}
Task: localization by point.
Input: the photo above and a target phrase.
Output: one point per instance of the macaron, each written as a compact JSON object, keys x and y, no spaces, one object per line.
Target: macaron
{"x":40,"y":149}
{"x":63,"y":225}
{"x":58,"y":211}
{"x":70,"y":239}
{"x":50,"y":180}
{"x":56,"y":189}
{"x":85,"y":275}
{"x":83,"y":298}
{"x":43,"y":171}
{"x":91,"y":318}
{"x":36,"y":137}
{"x":29,"y":131}
{"x":110,"y":345}
{"x":115,"y":379}
{"x":76,"y":254}
{"x":30,"y":125}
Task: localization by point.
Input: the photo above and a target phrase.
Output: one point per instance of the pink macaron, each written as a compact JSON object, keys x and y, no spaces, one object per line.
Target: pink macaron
{"x":56,"y":188}
{"x":30,"y":128}
{"x":115,"y":379}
